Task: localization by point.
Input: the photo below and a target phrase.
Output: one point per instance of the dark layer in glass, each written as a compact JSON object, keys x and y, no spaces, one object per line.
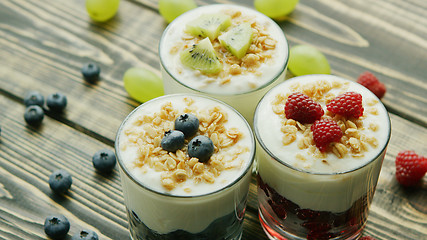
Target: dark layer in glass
{"x":224,"y":228}
{"x":315,"y":224}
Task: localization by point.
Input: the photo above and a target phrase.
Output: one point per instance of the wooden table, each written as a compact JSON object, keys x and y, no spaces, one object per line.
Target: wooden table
{"x":43,"y":45}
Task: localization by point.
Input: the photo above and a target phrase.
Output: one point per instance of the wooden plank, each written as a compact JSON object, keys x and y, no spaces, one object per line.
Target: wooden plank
{"x":43,"y":46}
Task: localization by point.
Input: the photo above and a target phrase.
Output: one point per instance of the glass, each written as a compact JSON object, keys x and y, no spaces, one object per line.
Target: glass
{"x":303,"y":203}
{"x":180,"y":79}
{"x":159,"y":214}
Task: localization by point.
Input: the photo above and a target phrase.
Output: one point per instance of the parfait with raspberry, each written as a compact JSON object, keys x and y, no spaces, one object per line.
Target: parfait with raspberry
{"x":321,"y":143}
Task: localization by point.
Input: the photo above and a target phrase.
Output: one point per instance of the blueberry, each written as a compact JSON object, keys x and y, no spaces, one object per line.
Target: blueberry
{"x":188,"y":124}
{"x":60,"y":181}
{"x":104,"y":160}
{"x":85,"y":235}
{"x":34,"y":115}
{"x":34,"y":98}
{"x":56,"y":102}
{"x":201,"y":147}
{"x":91,"y":72}
{"x":172,"y":140}
{"x":56,"y":226}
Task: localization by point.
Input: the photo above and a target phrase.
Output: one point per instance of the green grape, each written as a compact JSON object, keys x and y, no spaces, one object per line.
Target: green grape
{"x":276,"y":9}
{"x":102,"y":10}
{"x":305,"y":59}
{"x":170,"y":9}
{"x":142,"y":84}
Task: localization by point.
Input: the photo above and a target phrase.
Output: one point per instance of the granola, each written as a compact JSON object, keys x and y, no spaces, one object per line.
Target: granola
{"x":353,"y":142}
{"x":260,"y":51}
{"x":146,"y":132}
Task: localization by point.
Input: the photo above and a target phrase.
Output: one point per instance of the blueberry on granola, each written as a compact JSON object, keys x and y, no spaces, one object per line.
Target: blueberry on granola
{"x":172,"y":140}
{"x":56,"y":226}
{"x":201,"y":147}
{"x":188,"y":124}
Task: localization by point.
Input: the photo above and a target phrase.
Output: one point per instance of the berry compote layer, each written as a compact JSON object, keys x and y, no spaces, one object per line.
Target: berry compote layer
{"x":170,"y":195}
{"x":333,"y":186}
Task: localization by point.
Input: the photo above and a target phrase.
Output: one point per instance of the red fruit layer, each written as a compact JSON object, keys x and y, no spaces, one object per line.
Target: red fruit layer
{"x":317,"y":224}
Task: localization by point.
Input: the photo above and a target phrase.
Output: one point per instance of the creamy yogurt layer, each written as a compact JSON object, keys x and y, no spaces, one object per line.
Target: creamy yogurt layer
{"x":164,"y":201}
{"x":270,"y":49}
{"x":297,"y":170}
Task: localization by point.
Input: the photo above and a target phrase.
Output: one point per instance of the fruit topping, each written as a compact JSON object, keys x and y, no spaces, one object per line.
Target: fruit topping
{"x":104,"y":160}
{"x":85,"y":235}
{"x":348,"y":104}
{"x":34,"y":98}
{"x":305,"y":59}
{"x":372,"y":83}
{"x":237,"y":40}
{"x":34,"y":115}
{"x":201,"y":147}
{"x":56,"y":102}
{"x":302,"y":108}
{"x":410,"y":168}
{"x":173,"y":140}
{"x":201,"y":57}
{"x":90,"y":72}
{"x":209,"y":25}
{"x":60,"y":181}
{"x":171,"y":9}
{"x":142,"y":84}
{"x":188,"y":124}
{"x":56,"y":226}
{"x":325,"y":131}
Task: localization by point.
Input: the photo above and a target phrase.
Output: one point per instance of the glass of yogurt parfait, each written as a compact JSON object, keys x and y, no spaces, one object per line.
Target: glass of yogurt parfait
{"x":185,"y":163}
{"x":228,"y":52}
{"x":321,"y":142}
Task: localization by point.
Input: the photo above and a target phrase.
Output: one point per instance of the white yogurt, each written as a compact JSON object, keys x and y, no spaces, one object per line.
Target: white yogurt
{"x":311,"y":183}
{"x":164,"y":210}
{"x":243,"y":91}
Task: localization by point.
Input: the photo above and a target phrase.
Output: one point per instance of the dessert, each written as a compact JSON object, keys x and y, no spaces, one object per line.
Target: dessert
{"x":317,"y":174}
{"x":229,"y":52}
{"x":185,"y":165}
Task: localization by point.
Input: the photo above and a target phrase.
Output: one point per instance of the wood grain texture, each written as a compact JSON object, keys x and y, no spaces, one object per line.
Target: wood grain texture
{"x":43,"y":45}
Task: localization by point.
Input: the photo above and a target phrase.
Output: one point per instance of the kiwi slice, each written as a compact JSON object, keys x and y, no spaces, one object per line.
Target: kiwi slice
{"x":201,"y":57}
{"x":209,"y":25}
{"x":237,"y":40}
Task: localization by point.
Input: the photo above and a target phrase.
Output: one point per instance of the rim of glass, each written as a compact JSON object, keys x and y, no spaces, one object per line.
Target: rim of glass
{"x":283,"y":68}
{"x":266,"y":149}
{"x":231,"y":184}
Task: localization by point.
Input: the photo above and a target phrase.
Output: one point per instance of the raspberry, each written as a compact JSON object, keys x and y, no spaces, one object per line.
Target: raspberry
{"x":325,"y":131}
{"x":410,"y":168}
{"x":302,"y":108}
{"x":372,"y":83}
{"x":348,"y":104}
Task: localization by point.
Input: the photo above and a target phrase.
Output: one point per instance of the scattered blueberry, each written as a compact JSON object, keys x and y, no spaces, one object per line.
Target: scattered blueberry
{"x":34,"y":98}
{"x":85,"y":235}
{"x":91,"y":72}
{"x":188,"y":124}
{"x":56,"y":102}
{"x":34,"y":115}
{"x":56,"y":226}
{"x":201,"y":147}
{"x":172,"y":140}
{"x":60,"y":181}
{"x":104,"y":160}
